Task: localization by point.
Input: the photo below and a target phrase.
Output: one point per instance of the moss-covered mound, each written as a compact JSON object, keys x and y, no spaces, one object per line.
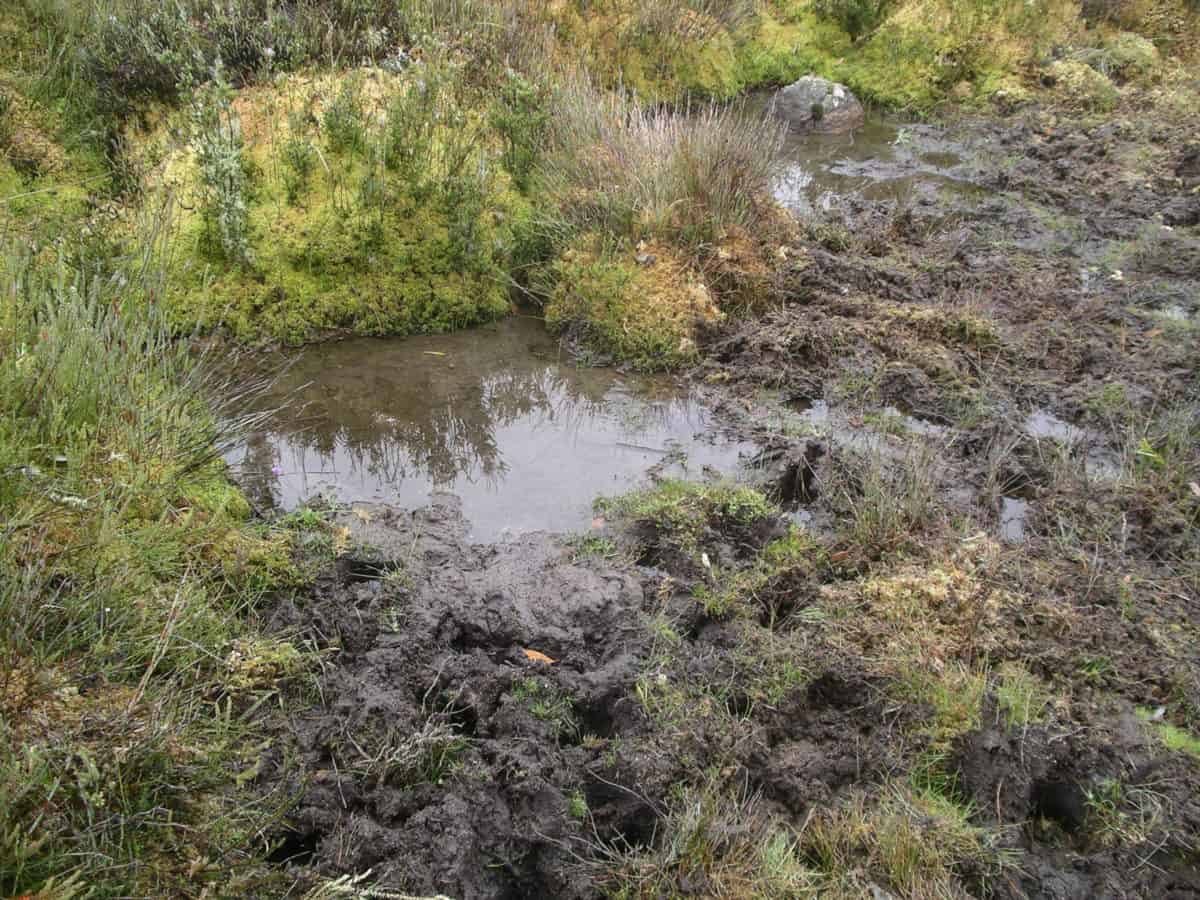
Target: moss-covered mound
{"x":360,"y":202}
{"x":640,"y":305}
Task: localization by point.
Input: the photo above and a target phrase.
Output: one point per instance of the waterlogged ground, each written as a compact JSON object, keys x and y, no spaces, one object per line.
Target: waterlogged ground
{"x":952,"y":653}
{"x":495,"y":415}
{"x":885,"y":160}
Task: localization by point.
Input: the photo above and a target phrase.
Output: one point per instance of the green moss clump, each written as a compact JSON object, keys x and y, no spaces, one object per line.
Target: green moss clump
{"x":316,"y":271}
{"x":678,"y":515}
{"x":1130,"y":55}
{"x":644,"y":313}
{"x":1080,"y":85}
{"x":402,"y":225}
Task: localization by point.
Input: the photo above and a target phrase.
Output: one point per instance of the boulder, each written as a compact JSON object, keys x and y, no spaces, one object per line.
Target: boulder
{"x":817,"y":104}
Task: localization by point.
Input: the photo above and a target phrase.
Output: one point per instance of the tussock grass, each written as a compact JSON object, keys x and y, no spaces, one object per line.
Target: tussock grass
{"x":128,"y":574}
{"x":886,"y":501}
{"x":622,"y":169}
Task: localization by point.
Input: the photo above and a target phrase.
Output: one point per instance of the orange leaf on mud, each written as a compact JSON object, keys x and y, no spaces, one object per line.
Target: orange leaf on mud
{"x":535,"y":656}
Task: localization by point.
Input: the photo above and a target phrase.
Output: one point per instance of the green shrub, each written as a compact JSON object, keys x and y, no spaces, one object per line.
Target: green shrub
{"x":217,"y":136}
{"x":521,"y":117}
{"x":857,"y":18}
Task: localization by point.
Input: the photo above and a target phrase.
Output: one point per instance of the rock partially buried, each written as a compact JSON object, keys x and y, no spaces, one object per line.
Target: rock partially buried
{"x":817,"y":104}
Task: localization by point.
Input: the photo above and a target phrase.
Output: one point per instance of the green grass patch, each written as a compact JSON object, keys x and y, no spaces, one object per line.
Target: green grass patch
{"x":547,"y":702}
{"x":129,"y":577}
{"x":678,"y":515}
{"x":1173,"y":737}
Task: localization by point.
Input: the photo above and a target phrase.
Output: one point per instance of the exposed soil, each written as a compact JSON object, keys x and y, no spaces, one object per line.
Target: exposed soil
{"x":1051,"y":294}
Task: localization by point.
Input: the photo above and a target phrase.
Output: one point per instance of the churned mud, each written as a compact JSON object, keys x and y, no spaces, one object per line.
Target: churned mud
{"x":972,"y":405}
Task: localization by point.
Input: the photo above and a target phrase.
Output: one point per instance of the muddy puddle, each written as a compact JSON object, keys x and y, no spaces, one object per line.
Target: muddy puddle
{"x":1100,"y":461}
{"x":495,"y":415}
{"x":884,"y":160}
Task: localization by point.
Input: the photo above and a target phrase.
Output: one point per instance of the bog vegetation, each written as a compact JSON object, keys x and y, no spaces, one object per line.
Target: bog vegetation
{"x":222,"y":173}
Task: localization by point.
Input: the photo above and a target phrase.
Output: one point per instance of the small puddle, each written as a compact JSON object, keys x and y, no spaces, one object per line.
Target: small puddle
{"x":1013,"y":515}
{"x":492,"y":415}
{"x":1100,"y":461}
{"x":1042,"y":424}
{"x":883,"y":160}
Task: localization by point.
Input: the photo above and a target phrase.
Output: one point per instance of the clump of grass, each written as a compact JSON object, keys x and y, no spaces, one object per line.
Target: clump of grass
{"x":1021,"y":697}
{"x":547,"y":702}
{"x":577,"y":806}
{"x":775,"y":586}
{"x":1172,"y":736}
{"x":403,"y":757}
{"x":886,"y":502}
{"x":917,"y":844}
{"x":677,"y":516}
{"x":1122,"y":815}
{"x":617,"y":168}
{"x":595,"y":546}
{"x":708,"y":836}
{"x":955,"y":697}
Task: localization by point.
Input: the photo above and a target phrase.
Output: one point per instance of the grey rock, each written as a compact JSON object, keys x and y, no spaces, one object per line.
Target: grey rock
{"x":817,"y":104}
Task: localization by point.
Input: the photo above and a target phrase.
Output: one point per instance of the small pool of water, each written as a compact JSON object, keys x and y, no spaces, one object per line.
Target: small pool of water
{"x":883,"y":160}
{"x":1013,"y":515}
{"x":493,"y":415}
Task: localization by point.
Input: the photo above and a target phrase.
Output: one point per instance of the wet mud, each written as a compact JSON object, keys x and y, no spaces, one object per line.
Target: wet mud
{"x":499,"y":719}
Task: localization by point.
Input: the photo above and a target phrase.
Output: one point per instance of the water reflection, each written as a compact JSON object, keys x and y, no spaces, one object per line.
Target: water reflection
{"x":491,"y":415}
{"x":881,"y":161}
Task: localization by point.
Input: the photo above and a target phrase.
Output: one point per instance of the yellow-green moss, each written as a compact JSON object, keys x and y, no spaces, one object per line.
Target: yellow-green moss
{"x":354,"y":246}
{"x":644,"y":312}
{"x":1080,"y":85}
{"x":316,"y":271}
{"x":928,"y":51}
